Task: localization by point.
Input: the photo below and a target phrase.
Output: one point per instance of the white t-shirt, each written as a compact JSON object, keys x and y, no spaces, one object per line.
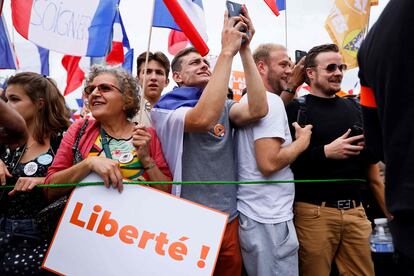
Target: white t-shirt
{"x":169,"y":125}
{"x":265,"y":203}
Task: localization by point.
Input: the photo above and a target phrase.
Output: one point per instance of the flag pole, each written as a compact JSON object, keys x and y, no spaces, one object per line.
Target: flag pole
{"x":369,"y":17}
{"x":1,"y":7}
{"x":14,"y":46}
{"x":142,"y":102}
{"x":286,"y":30}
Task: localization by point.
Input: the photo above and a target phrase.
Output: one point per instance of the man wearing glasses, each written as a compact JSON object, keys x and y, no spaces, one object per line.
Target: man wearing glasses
{"x":330,"y":221}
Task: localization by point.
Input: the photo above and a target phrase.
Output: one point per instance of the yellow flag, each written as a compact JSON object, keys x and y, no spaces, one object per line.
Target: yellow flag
{"x":346,"y":25}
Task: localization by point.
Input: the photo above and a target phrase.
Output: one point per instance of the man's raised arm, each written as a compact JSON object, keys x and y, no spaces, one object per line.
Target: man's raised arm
{"x":256,"y":106}
{"x":211,"y":103}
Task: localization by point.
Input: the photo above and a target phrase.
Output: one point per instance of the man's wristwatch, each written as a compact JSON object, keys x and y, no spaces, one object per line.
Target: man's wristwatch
{"x":290,"y":91}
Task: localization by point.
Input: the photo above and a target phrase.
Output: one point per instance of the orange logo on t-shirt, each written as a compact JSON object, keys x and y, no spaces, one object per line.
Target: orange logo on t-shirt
{"x":219,"y":130}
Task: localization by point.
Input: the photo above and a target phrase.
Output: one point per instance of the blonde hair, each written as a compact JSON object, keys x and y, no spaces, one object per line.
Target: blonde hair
{"x":262,"y":53}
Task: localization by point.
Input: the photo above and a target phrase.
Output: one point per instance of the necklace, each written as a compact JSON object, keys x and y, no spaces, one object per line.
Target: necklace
{"x":26,"y":148}
{"x":120,"y":136}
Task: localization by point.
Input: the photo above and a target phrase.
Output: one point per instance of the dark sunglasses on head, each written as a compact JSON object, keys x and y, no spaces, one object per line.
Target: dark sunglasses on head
{"x":333,"y":66}
{"x":103,"y":88}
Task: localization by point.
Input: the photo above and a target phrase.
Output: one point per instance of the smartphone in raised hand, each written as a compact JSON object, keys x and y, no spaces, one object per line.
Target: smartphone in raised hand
{"x":236,"y":9}
{"x":299,"y":54}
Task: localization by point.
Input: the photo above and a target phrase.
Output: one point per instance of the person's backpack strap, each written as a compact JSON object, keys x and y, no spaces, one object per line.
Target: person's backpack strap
{"x":77,"y":155}
{"x":301,"y":117}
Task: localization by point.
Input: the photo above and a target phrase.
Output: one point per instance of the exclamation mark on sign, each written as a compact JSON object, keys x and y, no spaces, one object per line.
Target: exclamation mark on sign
{"x":204,"y":252}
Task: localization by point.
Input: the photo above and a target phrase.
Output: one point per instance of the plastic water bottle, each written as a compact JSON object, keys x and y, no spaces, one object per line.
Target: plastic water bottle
{"x":381,"y":239}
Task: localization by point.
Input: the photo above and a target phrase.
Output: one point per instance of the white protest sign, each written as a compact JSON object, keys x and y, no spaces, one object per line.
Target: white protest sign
{"x":140,"y":231}
{"x":73,"y":27}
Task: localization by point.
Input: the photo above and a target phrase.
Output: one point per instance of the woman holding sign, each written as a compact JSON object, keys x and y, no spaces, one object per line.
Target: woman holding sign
{"x":23,"y":238}
{"x":111,"y":145}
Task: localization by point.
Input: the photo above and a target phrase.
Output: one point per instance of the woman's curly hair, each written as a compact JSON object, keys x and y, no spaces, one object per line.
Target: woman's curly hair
{"x":127,"y":83}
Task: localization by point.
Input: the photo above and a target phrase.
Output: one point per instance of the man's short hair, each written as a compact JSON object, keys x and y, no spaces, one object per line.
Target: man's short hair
{"x":315,"y":51}
{"x":262,"y":52}
{"x":177,"y":60}
{"x":159,"y":57}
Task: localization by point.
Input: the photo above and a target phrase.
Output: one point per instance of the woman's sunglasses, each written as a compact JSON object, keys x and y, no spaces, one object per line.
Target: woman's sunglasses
{"x":103,"y":88}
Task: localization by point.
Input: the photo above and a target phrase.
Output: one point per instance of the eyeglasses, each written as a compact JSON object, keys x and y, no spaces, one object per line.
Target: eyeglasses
{"x":330,"y":68}
{"x":103,"y":88}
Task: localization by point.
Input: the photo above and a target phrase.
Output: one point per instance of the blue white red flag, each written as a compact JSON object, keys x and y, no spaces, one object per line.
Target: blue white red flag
{"x":76,"y":113}
{"x":73,"y":27}
{"x":186,"y":16}
{"x":31,"y":58}
{"x":44,"y":60}
{"x":276,"y":5}
{"x":7,"y":56}
{"x":121,"y":52}
{"x":176,"y":42}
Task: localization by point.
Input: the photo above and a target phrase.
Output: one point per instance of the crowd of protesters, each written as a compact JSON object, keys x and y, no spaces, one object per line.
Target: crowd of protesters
{"x":195,"y":133}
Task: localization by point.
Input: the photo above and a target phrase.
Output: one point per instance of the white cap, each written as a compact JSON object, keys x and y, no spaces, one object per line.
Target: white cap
{"x":380,"y":221}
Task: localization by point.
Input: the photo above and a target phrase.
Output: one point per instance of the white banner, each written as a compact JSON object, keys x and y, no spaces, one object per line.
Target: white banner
{"x":141,"y":231}
{"x":72,"y":27}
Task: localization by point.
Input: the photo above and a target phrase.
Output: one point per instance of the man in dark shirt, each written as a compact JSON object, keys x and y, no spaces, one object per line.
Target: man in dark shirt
{"x":386,"y":61}
{"x":330,"y":221}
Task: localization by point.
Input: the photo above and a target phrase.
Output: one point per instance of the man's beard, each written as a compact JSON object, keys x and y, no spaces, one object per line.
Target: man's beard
{"x":275,"y":83}
{"x":326,"y":89}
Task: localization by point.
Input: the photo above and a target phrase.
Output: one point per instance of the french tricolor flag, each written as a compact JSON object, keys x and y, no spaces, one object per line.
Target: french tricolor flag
{"x":73,"y":27}
{"x":75,"y":75}
{"x":186,"y":16}
{"x":121,"y":52}
{"x":176,"y":42}
{"x":31,"y":58}
{"x":44,"y":60}
{"x":7,"y":56}
{"x":276,"y":5}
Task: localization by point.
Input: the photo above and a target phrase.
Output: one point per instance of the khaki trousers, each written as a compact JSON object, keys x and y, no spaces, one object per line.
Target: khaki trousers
{"x":326,"y":234}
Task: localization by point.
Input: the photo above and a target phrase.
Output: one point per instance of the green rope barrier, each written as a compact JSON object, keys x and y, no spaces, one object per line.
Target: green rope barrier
{"x":65,"y":185}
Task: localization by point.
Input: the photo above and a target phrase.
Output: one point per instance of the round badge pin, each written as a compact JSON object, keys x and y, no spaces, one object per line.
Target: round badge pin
{"x":125,"y":157}
{"x":30,"y":168}
{"x":45,"y":159}
{"x":219,"y":130}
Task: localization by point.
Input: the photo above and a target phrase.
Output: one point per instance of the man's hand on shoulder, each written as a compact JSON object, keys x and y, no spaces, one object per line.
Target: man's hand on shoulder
{"x":303,"y":134}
